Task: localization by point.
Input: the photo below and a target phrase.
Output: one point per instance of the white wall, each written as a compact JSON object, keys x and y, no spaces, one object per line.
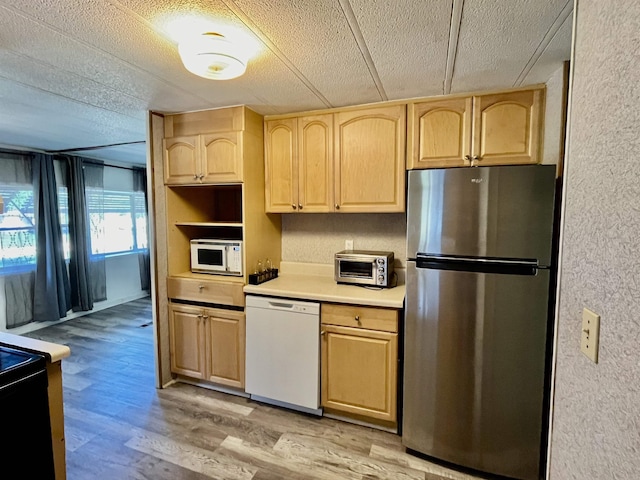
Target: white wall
{"x":123,"y":285}
{"x":596,"y":416}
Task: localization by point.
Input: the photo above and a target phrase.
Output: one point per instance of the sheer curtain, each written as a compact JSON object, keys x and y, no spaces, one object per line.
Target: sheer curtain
{"x":140,"y":185}
{"x":17,"y":237}
{"x":52,"y":292}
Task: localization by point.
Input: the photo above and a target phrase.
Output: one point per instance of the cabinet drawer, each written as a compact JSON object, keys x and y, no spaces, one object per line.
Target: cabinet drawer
{"x":383,"y":319}
{"x":197,"y":290}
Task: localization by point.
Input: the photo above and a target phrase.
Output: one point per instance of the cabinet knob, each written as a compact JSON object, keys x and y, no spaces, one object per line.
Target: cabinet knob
{"x":467,"y":157}
{"x":323,"y":332}
{"x":299,"y":206}
{"x":357,"y":319}
{"x":199,"y":316}
{"x":205,"y":317}
{"x":337,"y":207}
{"x":195,"y":176}
{"x":200,"y":287}
{"x":294,"y":206}
{"x":475,"y":158}
{"x":201,"y":176}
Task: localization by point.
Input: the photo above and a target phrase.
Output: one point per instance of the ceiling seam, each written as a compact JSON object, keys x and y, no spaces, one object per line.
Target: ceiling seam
{"x":457,"y":6}
{"x":544,"y":43}
{"x":93,"y":47}
{"x":244,"y":18}
{"x":362,"y":45}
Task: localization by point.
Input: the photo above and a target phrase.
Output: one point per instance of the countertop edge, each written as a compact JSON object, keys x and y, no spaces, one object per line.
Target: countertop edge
{"x":53,"y":351}
{"x":348,"y":294}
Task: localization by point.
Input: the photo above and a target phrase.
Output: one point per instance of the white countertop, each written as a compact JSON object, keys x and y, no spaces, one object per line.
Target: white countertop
{"x":315,"y":282}
{"x":52,"y":351}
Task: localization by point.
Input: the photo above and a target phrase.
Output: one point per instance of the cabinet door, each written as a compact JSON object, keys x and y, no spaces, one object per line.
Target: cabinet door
{"x":370,"y":150}
{"x":187,"y":341}
{"x":506,"y":127}
{"x":225,"y":347}
{"x":439,"y":133}
{"x":359,"y":371}
{"x":181,"y":160}
{"x":281,"y":170}
{"x":221,"y":157}
{"x":315,"y":163}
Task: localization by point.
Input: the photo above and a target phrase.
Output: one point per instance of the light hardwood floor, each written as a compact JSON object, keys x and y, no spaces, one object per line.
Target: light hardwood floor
{"x":119,"y":426}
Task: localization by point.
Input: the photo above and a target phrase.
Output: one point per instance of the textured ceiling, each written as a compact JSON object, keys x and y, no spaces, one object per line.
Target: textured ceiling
{"x":83,"y":73}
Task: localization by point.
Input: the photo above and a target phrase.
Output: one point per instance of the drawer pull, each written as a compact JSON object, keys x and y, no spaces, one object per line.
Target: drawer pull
{"x":357,"y":319}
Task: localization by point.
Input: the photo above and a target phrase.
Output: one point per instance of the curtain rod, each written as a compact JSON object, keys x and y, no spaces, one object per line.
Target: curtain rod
{"x":95,"y":147}
{"x":16,"y":152}
{"x":141,"y":167}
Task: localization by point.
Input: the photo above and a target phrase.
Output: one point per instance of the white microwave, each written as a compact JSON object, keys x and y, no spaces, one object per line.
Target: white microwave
{"x":216,"y":256}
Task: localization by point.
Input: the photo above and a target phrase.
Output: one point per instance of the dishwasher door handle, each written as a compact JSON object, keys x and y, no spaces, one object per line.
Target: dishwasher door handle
{"x":281,"y":306}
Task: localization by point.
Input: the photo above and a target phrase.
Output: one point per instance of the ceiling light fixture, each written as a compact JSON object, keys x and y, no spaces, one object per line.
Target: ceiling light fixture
{"x":211,"y":55}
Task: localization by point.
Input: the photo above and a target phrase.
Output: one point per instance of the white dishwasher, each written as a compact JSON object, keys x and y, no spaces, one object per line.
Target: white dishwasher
{"x":283,"y":352}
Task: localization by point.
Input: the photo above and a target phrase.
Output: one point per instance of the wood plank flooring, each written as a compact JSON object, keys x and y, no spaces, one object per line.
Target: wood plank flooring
{"x":119,"y":426}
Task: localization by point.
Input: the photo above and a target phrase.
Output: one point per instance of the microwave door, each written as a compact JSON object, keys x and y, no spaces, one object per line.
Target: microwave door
{"x":211,"y":258}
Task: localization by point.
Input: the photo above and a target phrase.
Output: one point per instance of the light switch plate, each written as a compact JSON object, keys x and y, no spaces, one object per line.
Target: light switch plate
{"x":590,"y":339}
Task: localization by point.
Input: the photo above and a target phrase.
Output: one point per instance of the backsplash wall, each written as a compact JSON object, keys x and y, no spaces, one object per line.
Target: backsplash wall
{"x":315,"y":237}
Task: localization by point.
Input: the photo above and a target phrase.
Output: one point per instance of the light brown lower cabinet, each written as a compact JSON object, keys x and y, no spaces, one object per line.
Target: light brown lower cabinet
{"x":207,"y":344}
{"x":359,"y":366}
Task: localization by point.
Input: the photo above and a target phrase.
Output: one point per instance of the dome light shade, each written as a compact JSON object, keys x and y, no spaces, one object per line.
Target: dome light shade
{"x":212,"y":56}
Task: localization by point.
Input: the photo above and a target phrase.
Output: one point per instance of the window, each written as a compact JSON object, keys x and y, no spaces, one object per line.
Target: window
{"x":118,"y":221}
{"x":17,"y":228}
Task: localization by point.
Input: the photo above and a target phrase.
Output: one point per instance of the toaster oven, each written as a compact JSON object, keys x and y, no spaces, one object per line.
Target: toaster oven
{"x":364,"y":267}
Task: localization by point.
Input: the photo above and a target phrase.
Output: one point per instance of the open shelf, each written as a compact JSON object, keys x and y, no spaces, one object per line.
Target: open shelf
{"x":209,"y":224}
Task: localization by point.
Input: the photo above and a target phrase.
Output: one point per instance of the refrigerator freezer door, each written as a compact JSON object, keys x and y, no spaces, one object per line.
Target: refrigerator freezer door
{"x":502,"y":212}
{"x":474,"y":368}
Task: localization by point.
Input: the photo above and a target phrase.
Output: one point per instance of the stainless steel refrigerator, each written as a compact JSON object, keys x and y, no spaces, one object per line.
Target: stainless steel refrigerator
{"x":479,"y":242}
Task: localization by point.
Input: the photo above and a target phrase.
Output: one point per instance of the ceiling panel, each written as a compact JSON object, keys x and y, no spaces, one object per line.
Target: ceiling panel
{"x":315,"y":36}
{"x":408,"y":43}
{"x":77,"y":73}
{"x":32,"y":118}
{"x":497,"y":39}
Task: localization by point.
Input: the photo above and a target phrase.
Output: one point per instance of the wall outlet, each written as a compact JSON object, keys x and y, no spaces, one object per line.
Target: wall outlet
{"x":590,"y":339}
{"x":348,"y":244}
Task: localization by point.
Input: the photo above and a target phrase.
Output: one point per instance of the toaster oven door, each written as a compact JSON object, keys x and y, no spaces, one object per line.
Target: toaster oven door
{"x":355,"y":271}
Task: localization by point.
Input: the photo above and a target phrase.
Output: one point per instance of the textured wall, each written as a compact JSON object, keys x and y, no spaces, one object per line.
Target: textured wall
{"x":596,"y":427}
{"x":314,"y":238}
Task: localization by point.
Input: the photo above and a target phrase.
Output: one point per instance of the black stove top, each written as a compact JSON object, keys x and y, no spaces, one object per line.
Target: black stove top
{"x":17,"y":364}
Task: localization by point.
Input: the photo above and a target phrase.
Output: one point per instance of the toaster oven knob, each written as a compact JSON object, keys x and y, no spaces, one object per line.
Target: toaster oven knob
{"x":381,"y":261}
{"x":380,"y":269}
{"x":380,"y":279}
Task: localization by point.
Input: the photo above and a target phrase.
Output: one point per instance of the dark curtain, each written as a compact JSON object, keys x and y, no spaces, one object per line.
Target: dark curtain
{"x":79,"y":237}
{"x":52,"y":292}
{"x":144,"y":261}
{"x":94,"y":198}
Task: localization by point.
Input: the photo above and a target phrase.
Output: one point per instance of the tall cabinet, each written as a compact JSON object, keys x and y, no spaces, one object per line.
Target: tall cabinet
{"x":213,"y":176}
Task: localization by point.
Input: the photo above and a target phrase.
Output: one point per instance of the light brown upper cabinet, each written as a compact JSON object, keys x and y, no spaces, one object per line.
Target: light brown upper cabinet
{"x":210,"y":158}
{"x":344,"y":161}
{"x":299,"y":164}
{"x":497,"y":129}
{"x":369,"y":157}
